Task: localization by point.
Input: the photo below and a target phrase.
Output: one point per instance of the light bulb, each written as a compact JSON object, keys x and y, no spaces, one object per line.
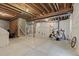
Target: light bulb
{"x":27,"y":10}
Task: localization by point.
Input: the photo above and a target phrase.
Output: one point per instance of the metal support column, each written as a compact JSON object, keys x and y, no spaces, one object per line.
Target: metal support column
{"x":34,"y":29}
{"x":58,"y":25}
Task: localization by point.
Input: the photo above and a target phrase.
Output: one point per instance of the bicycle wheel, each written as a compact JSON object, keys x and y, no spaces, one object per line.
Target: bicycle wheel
{"x":73,"y":42}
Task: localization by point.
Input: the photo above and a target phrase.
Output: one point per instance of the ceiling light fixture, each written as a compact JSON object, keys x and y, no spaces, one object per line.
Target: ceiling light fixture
{"x":27,"y":10}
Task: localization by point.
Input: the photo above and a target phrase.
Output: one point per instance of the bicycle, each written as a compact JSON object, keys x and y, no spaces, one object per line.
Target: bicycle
{"x":73,"y":41}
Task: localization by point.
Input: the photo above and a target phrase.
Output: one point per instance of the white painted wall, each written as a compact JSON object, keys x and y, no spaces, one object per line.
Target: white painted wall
{"x":4,"y":37}
{"x":4,"y":24}
{"x":75,"y":24}
{"x":65,"y":25}
{"x":4,"y":34}
{"x":43,"y":29}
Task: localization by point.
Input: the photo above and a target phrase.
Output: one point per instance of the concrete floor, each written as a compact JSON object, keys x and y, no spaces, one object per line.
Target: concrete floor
{"x":37,"y":47}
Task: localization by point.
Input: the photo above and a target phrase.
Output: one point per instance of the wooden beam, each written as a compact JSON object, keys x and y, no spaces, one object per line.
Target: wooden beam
{"x":13,"y":19}
{"x":50,"y":6}
{"x":7,"y":13}
{"x":33,"y":7}
{"x":33,"y":10}
{"x":16,"y":10}
{"x":55,"y":14}
{"x":55,"y":6}
{"x":38,"y":8}
{"x":22,"y":11}
{"x":5,"y":7}
{"x":65,"y":5}
{"x":44,"y":7}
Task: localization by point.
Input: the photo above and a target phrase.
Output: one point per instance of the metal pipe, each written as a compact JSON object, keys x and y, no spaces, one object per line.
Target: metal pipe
{"x":58,"y":25}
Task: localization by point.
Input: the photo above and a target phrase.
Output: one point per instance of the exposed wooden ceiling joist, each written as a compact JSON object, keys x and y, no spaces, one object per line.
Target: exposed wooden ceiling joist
{"x":55,"y":14}
{"x":55,"y":6}
{"x":8,"y":8}
{"x":22,"y":11}
{"x":38,"y":8}
{"x":7,"y":13}
{"x":65,"y":5}
{"x":44,"y":7}
{"x":51,"y":7}
{"x":48,"y":7}
{"x":32,"y":6}
{"x":34,"y":11}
